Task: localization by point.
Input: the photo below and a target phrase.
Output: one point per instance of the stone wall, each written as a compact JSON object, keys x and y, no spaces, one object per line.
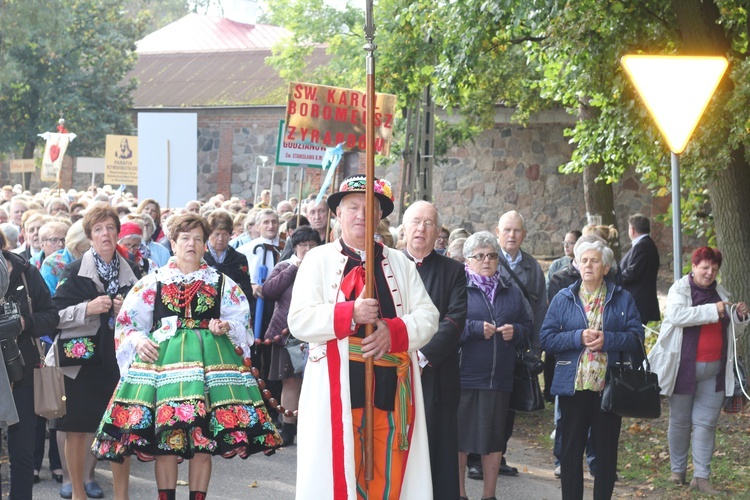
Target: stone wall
{"x":513,"y":167}
{"x":508,"y":167}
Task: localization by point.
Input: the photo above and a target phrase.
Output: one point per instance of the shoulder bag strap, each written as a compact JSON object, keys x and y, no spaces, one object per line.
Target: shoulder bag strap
{"x":513,"y":275}
{"x":36,"y":341}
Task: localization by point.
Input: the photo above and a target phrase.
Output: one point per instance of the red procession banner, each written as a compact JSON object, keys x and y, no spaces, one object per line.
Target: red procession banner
{"x":328,"y":116}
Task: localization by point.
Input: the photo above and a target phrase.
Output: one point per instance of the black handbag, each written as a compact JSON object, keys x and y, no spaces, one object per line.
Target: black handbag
{"x":527,"y":393}
{"x":630,"y":390}
{"x":78,"y":351}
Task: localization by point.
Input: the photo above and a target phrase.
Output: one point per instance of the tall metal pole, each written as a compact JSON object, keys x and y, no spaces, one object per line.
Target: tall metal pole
{"x":369,"y":227}
{"x":676,"y":218}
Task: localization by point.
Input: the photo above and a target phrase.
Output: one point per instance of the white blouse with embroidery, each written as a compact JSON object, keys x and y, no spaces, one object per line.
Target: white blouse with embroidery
{"x":135,"y":320}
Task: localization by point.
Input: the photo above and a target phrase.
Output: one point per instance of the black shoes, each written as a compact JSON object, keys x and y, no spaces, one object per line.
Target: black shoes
{"x":507,"y":470}
{"x":475,"y":471}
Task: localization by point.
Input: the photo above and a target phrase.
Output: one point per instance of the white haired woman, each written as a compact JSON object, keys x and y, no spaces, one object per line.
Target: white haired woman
{"x":496,"y":321}
{"x":587,"y":326}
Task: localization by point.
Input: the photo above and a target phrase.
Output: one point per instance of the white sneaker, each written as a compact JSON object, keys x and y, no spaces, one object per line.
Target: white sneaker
{"x":558,"y":472}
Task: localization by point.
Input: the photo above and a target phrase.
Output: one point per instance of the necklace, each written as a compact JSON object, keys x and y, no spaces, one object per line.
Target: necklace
{"x":183,"y":294}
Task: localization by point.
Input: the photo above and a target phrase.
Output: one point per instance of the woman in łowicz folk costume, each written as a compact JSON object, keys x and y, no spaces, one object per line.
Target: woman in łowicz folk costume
{"x":185,"y":390}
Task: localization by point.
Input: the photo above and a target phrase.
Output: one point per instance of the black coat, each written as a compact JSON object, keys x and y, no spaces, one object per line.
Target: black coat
{"x":234,"y":266}
{"x":445,"y":281}
{"x":638,"y":271}
{"x":562,"y":279}
{"x":44,"y":319}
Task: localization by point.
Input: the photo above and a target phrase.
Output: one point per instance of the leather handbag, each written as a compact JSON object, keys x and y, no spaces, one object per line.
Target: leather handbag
{"x":630,"y":390}
{"x":49,"y":381}
{"x":527,"y":393}
{"x":49,"y":388}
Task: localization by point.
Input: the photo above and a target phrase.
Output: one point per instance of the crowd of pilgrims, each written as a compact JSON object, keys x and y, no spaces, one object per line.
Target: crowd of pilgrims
{"x":42,"y":234}
{"x":199,"y":266}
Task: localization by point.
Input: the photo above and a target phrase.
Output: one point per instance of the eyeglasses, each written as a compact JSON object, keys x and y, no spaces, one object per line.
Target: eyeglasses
{"x":568,"y":243}
{"x":482,"y":256}
{"x":54,"y":241}
{"x":416,"y":223}
{"x":308,"y":245}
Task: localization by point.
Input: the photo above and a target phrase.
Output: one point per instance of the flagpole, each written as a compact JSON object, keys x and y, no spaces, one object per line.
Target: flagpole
{"x":369,"y":47}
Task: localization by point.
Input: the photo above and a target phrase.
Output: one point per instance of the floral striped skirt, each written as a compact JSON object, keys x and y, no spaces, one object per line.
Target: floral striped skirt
{"x":196,"y":398}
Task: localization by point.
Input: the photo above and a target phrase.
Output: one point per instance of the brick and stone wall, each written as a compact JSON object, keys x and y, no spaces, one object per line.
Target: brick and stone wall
{"x":508,"y":167}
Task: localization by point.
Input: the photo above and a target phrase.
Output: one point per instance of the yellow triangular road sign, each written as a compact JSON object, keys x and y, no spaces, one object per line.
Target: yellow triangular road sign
{"x":676,"y":91}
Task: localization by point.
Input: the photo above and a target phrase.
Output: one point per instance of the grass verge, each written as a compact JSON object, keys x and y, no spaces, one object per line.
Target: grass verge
{"x":643,"y":463}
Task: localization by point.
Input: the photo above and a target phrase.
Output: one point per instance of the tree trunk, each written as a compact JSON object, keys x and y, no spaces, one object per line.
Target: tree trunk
{"x":600,"y":201}
{"x":598,"y":195}
{"x":729,"y":184}
{"x":28,"y":152}
{"x":729,"y":190}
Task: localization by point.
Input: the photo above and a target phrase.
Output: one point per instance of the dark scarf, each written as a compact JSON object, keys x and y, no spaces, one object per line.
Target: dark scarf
{"x":109,"y":273}
{"x":686,"y":383}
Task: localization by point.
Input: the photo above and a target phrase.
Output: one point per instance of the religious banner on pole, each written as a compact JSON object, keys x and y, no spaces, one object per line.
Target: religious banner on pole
{"x":54,"y":151}
{"x":121,"y":160}
{"x":328,"y":116}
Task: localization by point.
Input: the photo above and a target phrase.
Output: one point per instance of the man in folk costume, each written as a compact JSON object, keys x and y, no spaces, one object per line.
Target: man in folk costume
{"x":329,"y":311}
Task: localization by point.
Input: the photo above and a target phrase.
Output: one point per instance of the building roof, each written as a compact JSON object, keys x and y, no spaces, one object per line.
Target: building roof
{"x":202,"y":61}
{"x":198,"y":33}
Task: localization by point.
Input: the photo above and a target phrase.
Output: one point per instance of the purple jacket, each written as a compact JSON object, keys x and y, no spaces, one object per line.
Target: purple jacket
{"x":278,"y":287}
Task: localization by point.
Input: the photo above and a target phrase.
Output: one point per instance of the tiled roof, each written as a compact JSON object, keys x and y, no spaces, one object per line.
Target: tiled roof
{"x":207,"y":61}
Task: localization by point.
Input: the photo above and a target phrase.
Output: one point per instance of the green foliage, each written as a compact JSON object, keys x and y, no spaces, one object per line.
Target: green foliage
{"x":535,"y":55}
{"x":69,"y":64}
{"x":155,"y":14}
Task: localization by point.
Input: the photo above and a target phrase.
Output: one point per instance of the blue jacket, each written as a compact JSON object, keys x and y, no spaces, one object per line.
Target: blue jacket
{"x":566,"y":320}
{"x":488,"y":363}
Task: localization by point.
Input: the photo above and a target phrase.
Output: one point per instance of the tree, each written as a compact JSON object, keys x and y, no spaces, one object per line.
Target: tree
{"x":534,"y":54}
{"x":69,"y":62}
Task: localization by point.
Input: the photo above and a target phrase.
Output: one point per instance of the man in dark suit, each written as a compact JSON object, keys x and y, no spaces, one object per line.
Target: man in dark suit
{"x":639,"y":268}
{"x":445,"y":281}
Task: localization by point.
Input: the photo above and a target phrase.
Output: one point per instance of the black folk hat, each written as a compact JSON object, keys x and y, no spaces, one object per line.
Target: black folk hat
{"x":357,"y":184}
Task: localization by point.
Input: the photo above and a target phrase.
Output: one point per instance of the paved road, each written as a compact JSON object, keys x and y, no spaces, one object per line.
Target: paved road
{"x":273,"y":478}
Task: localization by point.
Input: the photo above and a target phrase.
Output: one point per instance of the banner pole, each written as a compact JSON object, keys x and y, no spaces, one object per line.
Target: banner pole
{"x":369,"y":47}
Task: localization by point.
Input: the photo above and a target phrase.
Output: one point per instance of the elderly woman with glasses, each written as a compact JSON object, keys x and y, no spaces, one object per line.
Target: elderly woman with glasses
{"x":496,"y":322}
{"x":589,"y":325}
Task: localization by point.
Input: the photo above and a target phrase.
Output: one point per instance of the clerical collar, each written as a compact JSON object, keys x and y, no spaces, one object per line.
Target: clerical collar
{"x":417,"y":260}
